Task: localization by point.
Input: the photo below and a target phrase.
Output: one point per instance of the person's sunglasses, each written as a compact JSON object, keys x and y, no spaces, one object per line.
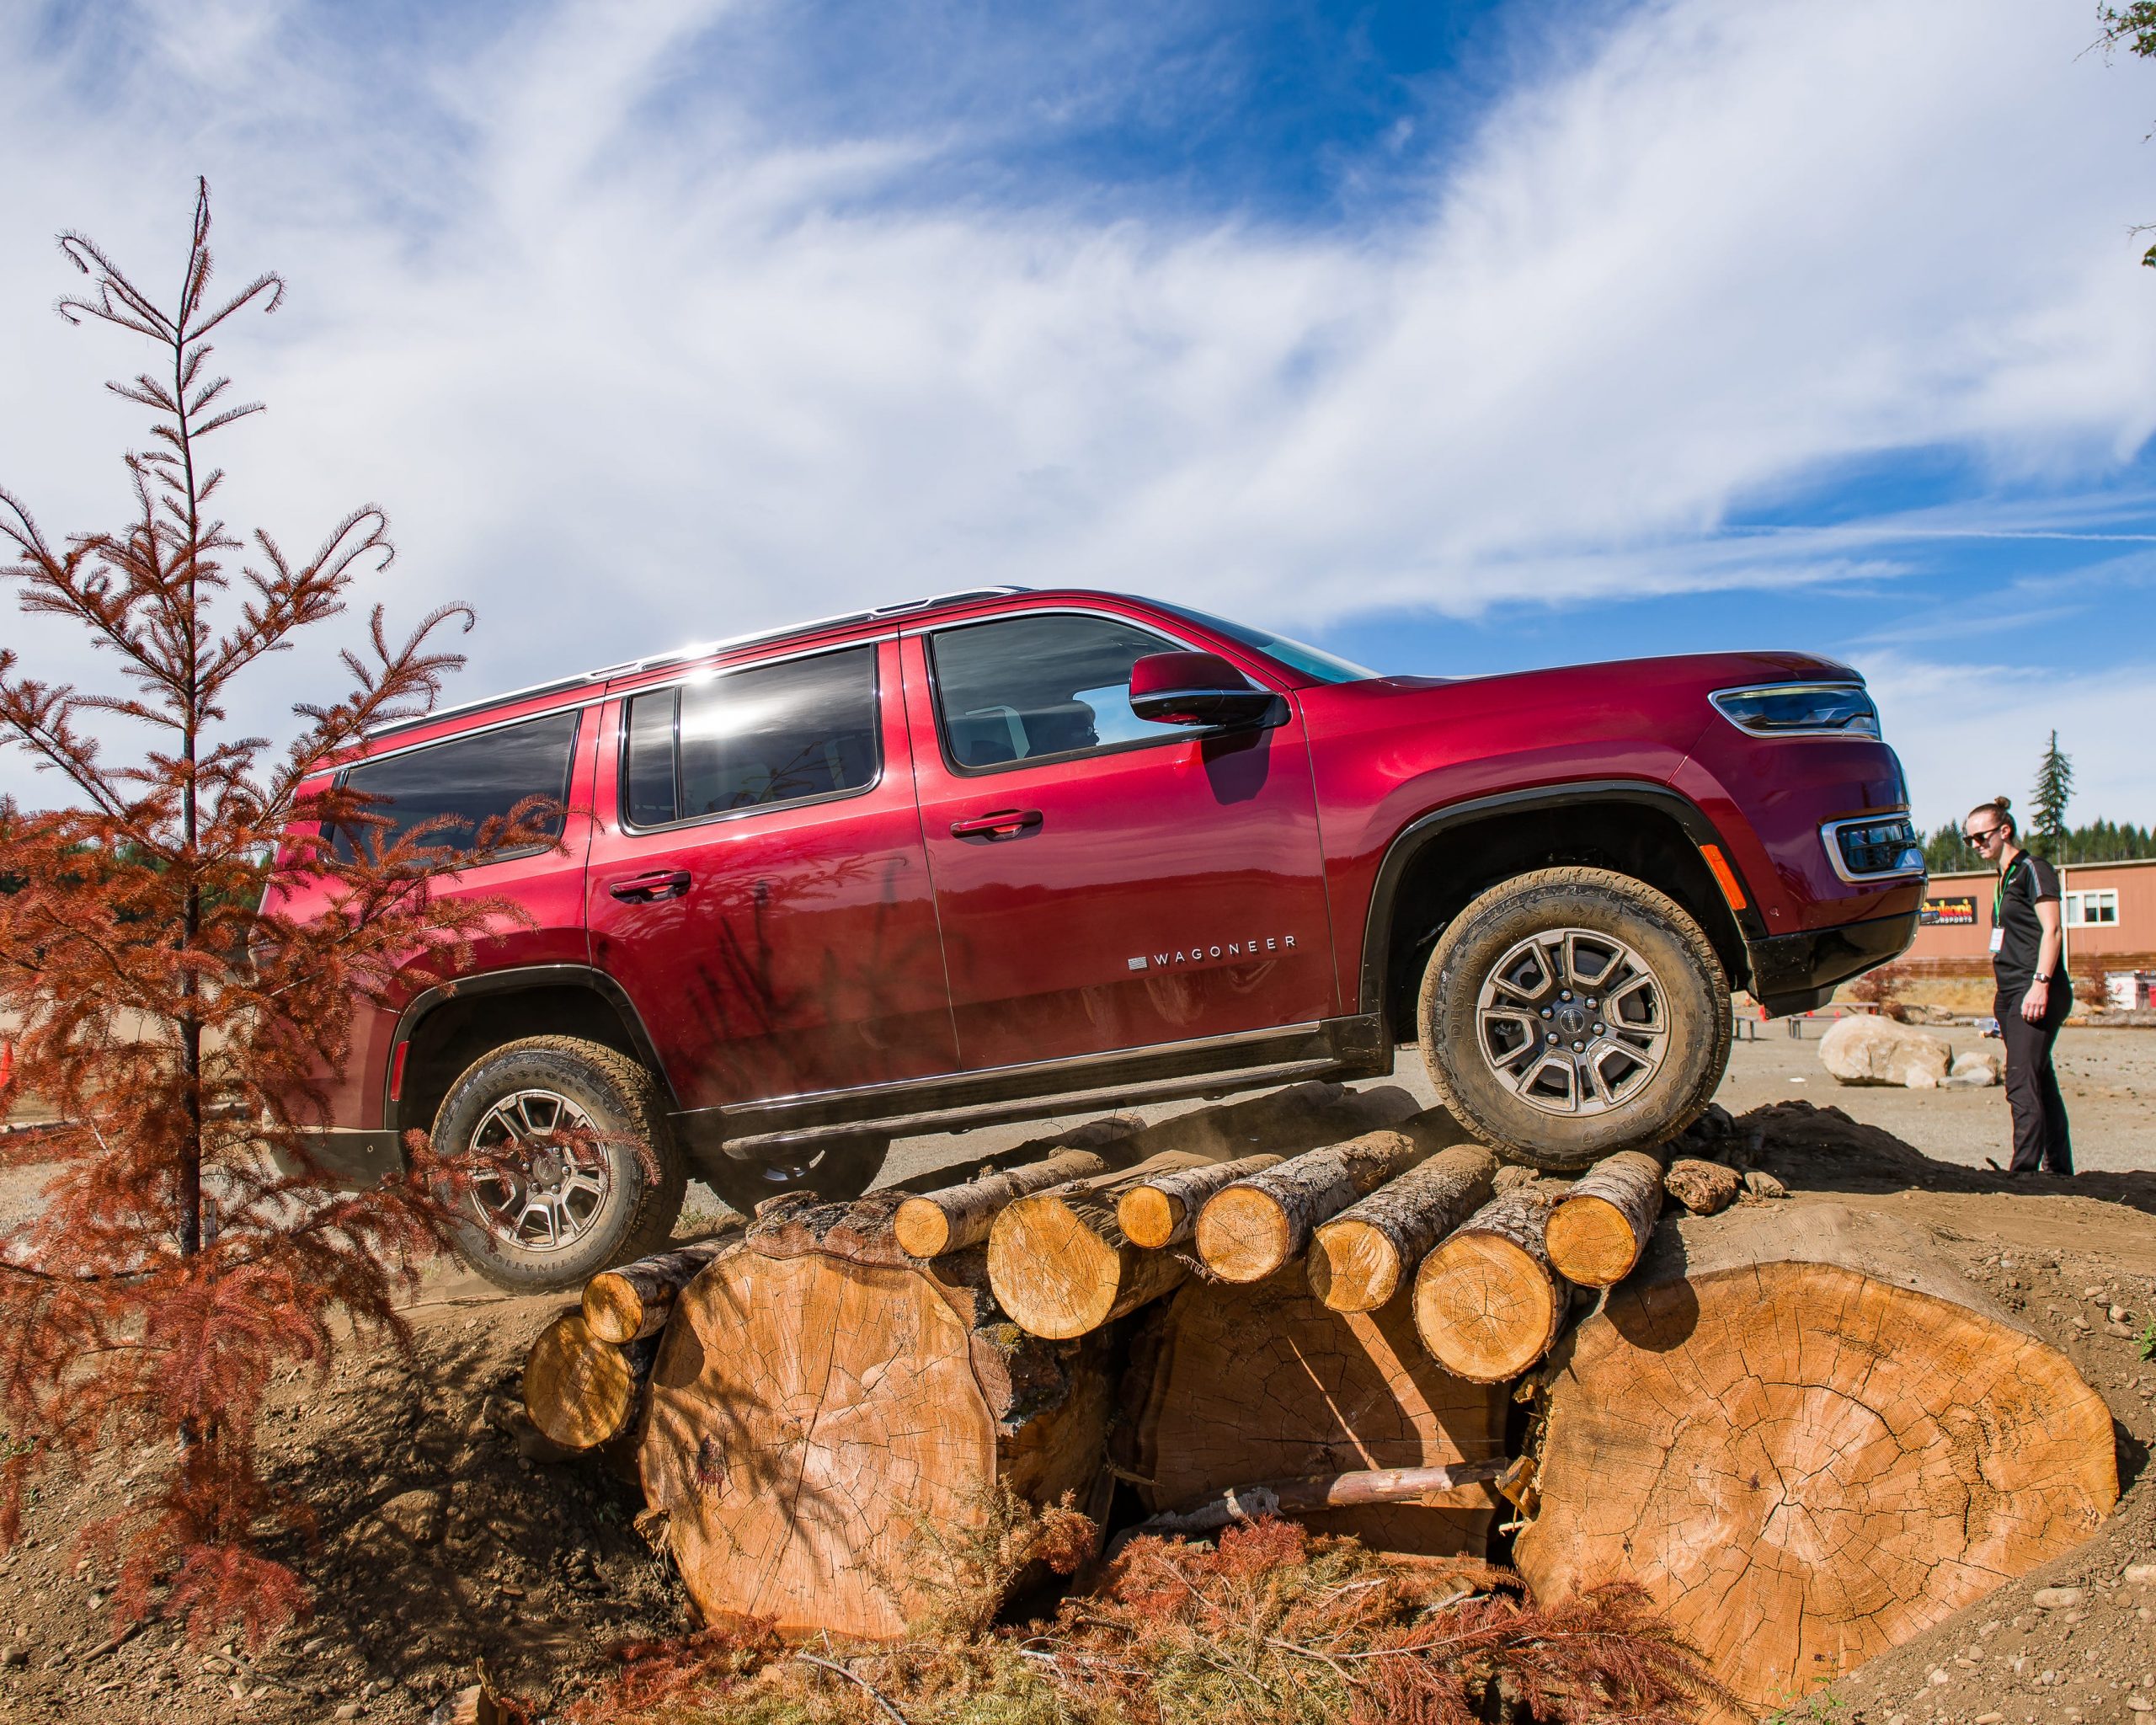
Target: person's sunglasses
{"x":1985,"y":836}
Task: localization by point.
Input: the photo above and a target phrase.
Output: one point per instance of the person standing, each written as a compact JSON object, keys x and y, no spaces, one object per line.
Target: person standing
{"x":2034,"y":994}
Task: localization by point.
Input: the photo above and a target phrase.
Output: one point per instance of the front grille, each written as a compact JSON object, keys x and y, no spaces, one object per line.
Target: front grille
{"x":1863,"y":850}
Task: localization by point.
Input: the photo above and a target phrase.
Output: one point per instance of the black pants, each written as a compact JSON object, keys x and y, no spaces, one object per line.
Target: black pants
{"x":2041,"y":1137}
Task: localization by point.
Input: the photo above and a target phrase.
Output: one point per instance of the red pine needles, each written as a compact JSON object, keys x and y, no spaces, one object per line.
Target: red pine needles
{"x":189,"y":1249}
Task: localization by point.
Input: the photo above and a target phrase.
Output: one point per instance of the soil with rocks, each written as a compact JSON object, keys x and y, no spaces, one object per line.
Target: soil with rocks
{"x":446,"y":1534}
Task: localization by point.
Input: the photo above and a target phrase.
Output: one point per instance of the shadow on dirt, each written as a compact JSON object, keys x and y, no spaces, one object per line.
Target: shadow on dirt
{"x":1823,"y":1150}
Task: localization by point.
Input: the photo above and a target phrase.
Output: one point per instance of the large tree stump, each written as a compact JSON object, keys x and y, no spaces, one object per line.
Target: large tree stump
{"x":1596,"y":1234}
{"x":1230,"y":1385}
{"x":1365,"y":1255}
{"x":1809,"y":1442}
{"x":1487,"y":1303}
{"x":1251,"y":1228}
{"x":828,"y":1417}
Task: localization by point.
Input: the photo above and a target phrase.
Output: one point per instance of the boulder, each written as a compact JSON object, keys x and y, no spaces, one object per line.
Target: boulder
{"x":1869,"y":1049}
{"x":1980,"y":1066}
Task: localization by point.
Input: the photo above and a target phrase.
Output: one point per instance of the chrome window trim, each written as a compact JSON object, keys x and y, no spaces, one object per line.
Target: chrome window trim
{"x":713,"y":673}
{"x":1817,"y":686}
{"x":1830,"y":838}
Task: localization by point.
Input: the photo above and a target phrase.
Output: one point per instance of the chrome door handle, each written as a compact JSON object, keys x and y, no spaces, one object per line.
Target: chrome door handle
{"x":647,"y":889}
{"x":1003,"y":824}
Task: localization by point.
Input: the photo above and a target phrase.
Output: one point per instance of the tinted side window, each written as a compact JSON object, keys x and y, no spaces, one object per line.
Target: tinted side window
{"x":1050,"y":684}
{"x":756,"y":739}
{"x":472,"y":780}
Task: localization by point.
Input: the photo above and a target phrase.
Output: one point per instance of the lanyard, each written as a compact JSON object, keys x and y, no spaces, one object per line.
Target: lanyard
{"x":1999,"y":892}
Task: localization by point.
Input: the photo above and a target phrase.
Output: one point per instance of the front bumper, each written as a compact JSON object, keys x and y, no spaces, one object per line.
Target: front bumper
{"x":1794,"y":972}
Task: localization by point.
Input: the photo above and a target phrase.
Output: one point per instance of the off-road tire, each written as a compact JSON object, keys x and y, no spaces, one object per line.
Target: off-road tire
{"x":1692,"y":984}
{"x":839,"y":1169}
{"x":646,"y":1174}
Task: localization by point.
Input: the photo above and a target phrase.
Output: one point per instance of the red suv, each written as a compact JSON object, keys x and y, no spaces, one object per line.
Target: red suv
{"x":1003,"y":854}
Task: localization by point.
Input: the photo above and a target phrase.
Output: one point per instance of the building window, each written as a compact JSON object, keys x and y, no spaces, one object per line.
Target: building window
{"x":2098,"y":907}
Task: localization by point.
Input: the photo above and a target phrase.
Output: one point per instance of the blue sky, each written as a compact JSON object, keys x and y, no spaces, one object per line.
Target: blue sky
{"x":1454,"y":338}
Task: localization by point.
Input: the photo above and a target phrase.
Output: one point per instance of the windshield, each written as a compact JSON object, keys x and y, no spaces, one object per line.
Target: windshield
{"x":1311,"y":661}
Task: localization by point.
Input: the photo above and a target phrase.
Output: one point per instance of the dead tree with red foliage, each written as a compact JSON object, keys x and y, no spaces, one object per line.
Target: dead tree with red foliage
{"x":189,"y":1249}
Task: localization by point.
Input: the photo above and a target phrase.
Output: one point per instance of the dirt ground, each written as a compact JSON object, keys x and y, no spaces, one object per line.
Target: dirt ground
{"x":440,"y":1538}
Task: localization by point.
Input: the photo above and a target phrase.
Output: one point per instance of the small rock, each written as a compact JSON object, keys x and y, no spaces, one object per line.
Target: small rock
{"x":2056,"y":1598}
{"x":2118,"y":1314}
{"x":1991,"y":1719}
{"x":418,"y":1515}
{"x":1762,"y":1184}
{"x":2139,"y":1703}
{"x":1942,"y":1676}
{"x":2141,"y":1575}
{"x":350,"y":1709}
{"x":15,"y":1656}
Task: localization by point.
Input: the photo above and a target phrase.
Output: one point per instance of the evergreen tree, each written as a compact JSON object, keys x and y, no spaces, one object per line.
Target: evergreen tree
{"x":2054,"y":787}
{"x":1946,"y":852}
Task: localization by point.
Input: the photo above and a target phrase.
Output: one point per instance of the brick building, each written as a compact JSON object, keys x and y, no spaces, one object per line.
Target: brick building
{"x":2109,"y":916}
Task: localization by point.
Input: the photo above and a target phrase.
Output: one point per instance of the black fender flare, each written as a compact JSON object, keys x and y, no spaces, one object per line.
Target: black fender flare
{"x":1426,"y":830}
{"x":523,"y":979}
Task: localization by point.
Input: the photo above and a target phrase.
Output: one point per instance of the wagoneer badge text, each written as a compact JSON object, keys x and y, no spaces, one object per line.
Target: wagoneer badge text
{"x":1227,"y":949}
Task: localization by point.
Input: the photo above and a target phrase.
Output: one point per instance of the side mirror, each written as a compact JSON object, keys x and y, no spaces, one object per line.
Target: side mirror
{"x":1194,"y":688}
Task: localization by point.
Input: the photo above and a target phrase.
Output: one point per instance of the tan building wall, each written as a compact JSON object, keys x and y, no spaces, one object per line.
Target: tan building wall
{"x":1951,"y":946}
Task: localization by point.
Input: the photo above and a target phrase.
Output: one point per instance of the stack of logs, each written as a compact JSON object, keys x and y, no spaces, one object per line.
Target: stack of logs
{"x":1804,"y":1441}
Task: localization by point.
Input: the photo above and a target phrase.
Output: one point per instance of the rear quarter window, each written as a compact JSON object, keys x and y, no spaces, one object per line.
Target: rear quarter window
{"x":465,"y":782}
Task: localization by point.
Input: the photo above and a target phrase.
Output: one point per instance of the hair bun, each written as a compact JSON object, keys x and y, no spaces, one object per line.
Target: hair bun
{"x":2002,"y":803}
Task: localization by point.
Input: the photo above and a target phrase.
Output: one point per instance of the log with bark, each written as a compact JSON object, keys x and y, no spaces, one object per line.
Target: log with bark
{"x":1487,"y":1302}
{"x":1060,"y":1264}
{"x":1809,"y":1441}
{"x":1230,"y":1383}
{"x":1060,"y":1261}
{"x":1368,"y":1253}
{"x":1161,"y":1211}
{"x":1704,"y":1188}
{"x":1596,"y":1234}
{"x":626,"y":1304}
{"x":582,"y":1391}
{"x":955,"y":1208}
{"x":1251,"y":1228}
{"x":831,"y":1418}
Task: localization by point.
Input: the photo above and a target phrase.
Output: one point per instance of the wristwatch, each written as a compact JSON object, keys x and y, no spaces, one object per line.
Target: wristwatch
{"x":2039,"y":976}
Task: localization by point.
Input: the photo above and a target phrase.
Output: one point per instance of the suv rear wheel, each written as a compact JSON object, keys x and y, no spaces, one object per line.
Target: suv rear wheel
{"x":584,"y":1171}
{"x":1572,"y":1012}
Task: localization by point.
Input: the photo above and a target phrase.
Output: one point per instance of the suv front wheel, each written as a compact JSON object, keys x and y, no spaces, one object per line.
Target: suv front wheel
{"x":579,"y":1169}
{"x":1572,"y":1012}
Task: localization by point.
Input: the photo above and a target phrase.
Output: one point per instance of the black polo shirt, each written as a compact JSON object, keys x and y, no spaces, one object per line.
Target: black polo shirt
{"x":2028,"y":882}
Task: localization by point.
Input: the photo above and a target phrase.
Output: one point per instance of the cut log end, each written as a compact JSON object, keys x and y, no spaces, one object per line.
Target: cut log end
{"x":1354,"y":1266}
{"x":1057,"y":1276}
{"x":613,"y":1310}
{"x":921,"y":1228}
{"x":1486,"y":1308}
{"x":1244,"y":1235}
{"x":579,"y":1391}
{"x":1592,"y":1241}
{"x":1150,"y":1216}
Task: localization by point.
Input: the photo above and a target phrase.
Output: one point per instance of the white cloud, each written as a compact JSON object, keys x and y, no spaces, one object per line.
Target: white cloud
{"x":624,"y":383}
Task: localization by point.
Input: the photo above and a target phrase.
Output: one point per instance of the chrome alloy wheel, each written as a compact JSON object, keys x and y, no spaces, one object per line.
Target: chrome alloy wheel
{"x":551,"y":1178}
{"x":1572,"y":1022}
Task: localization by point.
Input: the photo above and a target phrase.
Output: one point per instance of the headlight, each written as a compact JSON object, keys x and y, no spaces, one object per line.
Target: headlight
{"x":1799,"y":710}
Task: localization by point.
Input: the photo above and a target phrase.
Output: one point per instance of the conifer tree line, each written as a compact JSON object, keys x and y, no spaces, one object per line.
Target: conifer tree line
{"x":2044,"y":830}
